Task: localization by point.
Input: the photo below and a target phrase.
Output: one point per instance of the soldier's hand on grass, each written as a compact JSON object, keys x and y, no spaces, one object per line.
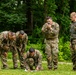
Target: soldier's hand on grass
{"x":37,"y":68}
{"x":27,"y":70}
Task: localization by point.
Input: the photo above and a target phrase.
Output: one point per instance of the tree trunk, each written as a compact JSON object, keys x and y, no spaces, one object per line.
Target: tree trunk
{"x":29,"y":16}
{"x":72,"y":5}
{"x":45,"y":9}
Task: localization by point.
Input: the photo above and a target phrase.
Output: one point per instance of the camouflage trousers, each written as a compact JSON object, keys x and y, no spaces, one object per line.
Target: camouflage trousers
{"x":4,"y":58}
{"x":14,"y":56}
{"x":21,"y":57}
{"x":51,"y":50}
{"x":73,"y":52}
{"x":31,"y":64}
{"x":0,"y":56}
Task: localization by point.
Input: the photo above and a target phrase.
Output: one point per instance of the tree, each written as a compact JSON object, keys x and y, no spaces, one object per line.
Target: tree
{"x":72,"y":5}
{"x":12,"y":15}
{"x":29,"y":15}
{"x":62,"y":14}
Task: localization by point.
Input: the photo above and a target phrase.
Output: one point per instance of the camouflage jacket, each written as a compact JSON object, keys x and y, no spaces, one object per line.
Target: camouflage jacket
{"x":21,"y":42}
{"x":4,"y":41}
{"x":12,"y":43}
{"x":52,"y":32}
{"x":73,"y":30}
{"x":37,"y":57}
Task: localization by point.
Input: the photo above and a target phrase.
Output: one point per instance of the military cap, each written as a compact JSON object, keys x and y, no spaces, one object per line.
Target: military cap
{"x":31,"y":50}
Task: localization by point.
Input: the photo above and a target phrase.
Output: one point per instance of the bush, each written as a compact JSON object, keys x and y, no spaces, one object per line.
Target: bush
{"x":64,"y":50}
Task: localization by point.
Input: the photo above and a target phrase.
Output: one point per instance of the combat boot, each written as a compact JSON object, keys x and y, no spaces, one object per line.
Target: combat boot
{"x":50,"y":68}
{"x":22,"y":67}
{"x":5,"y":67}
{"x":55,"y":69}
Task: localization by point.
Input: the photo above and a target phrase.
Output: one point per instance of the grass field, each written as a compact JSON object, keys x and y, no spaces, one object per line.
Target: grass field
{"x":63,"y":69}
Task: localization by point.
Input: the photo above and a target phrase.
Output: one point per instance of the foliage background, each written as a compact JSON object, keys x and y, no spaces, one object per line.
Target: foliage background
{"x":29,"y":15}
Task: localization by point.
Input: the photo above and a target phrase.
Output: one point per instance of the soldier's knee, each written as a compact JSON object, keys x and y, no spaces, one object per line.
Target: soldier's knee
{"x":15,"y":55}
{"x":31,"y":60}
{"x":48,"y":56}
{"x":5,"y":54}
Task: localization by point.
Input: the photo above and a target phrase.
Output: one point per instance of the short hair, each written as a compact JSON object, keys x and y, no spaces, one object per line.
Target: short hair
{"x":73,"y":14}
{"x":11,"y":33}
{"x":48,"y":17}
{"x":31,"y":50}
{"x":21,"y":32}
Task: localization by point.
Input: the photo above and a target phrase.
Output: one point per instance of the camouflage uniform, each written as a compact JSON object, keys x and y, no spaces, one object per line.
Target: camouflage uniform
{"x":73,"y":43}
{"x":21,"y":44}
{"x":51,"y":42}
{"x":0,"y":48}
{"x":12,"y":45}
{"x":4,"y":48}
{"x":33,"y":61}
{"x":0,"y":57}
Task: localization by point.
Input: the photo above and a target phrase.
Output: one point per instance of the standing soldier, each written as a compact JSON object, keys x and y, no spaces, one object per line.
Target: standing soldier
{"x":73,"y":38}
{"x":33,"y":58}
{"x":51,"y":30}
{"x":0,"y":47}
{"x":0,"y":57}
{"x":4,"y":48}
{"x":12,"y":45}
{"x":21,"y":41}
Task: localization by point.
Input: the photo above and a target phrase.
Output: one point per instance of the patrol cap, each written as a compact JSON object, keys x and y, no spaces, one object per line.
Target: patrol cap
{"x":22,"y":32}
{"x":31,"y":50}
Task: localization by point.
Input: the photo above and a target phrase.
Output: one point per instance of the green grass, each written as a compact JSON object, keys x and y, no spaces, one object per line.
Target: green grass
{"x":63,"y":69}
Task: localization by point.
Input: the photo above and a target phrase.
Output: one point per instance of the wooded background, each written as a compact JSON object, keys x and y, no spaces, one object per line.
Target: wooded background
{"x":29,"y":15}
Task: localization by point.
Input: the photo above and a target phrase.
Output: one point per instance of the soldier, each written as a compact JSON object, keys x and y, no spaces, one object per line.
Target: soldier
{"x":73,"y":38}
{"x":0,"y":47}
{"x":4,"y":48}
{"x":33,"y":60}
{"x":51,"y":30}
{"x":21,"y":41}
{"x":0,"y":57}
{"x":12,"y":45}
